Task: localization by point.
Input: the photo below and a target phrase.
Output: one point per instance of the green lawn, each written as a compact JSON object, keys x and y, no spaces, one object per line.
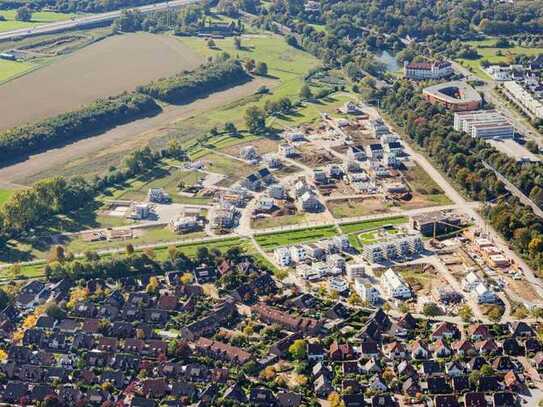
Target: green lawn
{"x":372,"y":236}
{"x":163,"y":176}
{"x":157,"y":234}
{"x":372,"y":224}
{"x":10,"y":69}
{"x":271,"y":241}
{"x":287,"y":67}
{"x":5,"y":194}
{"x":488,"y":51}
{"x":310,"y":112}
{"x":40,"y":17}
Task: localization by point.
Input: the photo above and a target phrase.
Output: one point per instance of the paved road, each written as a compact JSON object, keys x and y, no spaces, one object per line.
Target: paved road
{"x":87,"y":21}
{"x":478,"y":220}
{"x":488,"y":90}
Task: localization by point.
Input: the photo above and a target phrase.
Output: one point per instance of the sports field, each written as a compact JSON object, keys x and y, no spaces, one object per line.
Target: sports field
{"x":40,"y":17}
{"x":106,"y":68}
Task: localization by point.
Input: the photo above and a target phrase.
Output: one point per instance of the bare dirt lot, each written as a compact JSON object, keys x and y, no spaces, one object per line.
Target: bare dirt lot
{"x":69,"y":159}
{"x":105,"y":68}
{"x":345,"y":208}
{"x":262,"y":146}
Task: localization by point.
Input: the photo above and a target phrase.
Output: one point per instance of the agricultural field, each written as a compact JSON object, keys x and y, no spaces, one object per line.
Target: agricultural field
{"x":287,"y":67}
{"x":109,"y":65}
{"x":38,"y":18}
{"x":488,"y":52}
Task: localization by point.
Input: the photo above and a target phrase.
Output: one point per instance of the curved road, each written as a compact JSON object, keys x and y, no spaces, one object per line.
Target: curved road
{"x":88,"y":20}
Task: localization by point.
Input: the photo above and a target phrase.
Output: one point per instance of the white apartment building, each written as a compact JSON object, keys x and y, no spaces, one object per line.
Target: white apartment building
{"x":427,"y":70}
{"x":297,"y":253}
{"x":366,"y":291}
{"x":184,"y":224}
{"x":307,"y":272}
{"x":394,"y":285}
{"x":336,"y":262}
{"x":338,"y":284}
{"x":484,"y":295}
{"x":486,"y":124}
{"x":499,"y":73}
{"x":286,"y":150}
{"x":282,"y":256}
{"x":393,"y":247}
{"x":470,"y":281}
{"x":524,"y":99}
{"x":321,"y":268}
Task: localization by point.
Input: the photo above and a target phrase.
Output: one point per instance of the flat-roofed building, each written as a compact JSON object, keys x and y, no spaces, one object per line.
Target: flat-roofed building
{"x":528,"y":102}
{"x":394,"y":247}
{"x":486,"y":124}
{"x":395,"y":286}
{"x":438,"y":222}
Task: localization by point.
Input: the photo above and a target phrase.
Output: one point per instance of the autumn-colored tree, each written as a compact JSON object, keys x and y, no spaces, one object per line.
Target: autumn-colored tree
{"x":334,"y":400}
{"x":186,"y":278}
{"x":298,"y":349}
{"x":152,"y":286}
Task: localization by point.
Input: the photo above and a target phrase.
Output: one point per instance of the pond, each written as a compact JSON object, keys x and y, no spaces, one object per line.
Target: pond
{"x":389,"y":60}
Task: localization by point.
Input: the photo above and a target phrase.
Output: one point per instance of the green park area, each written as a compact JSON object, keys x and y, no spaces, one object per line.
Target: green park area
{"x":488,"y":51}
{"x":271,"y":241}
{"x":287,"y":67}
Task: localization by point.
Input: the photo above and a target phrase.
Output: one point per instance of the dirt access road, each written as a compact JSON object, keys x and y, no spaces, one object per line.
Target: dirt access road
{"x":122,"y":138}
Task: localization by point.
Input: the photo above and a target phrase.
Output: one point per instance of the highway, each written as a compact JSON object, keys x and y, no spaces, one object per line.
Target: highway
{"x":86,"y":21}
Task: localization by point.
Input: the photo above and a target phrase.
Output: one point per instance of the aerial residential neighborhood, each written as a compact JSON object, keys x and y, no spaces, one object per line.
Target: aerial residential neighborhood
{"x":271,"y":203}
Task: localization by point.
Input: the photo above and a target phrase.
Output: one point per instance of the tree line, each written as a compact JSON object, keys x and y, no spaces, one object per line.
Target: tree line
{"x":461,"y":157}
{"x":92,"y":266}
{"x":106,"y":113}
{"x":31,"y":208}
{"x":96,"y":117}
{"x":189,"y":85}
